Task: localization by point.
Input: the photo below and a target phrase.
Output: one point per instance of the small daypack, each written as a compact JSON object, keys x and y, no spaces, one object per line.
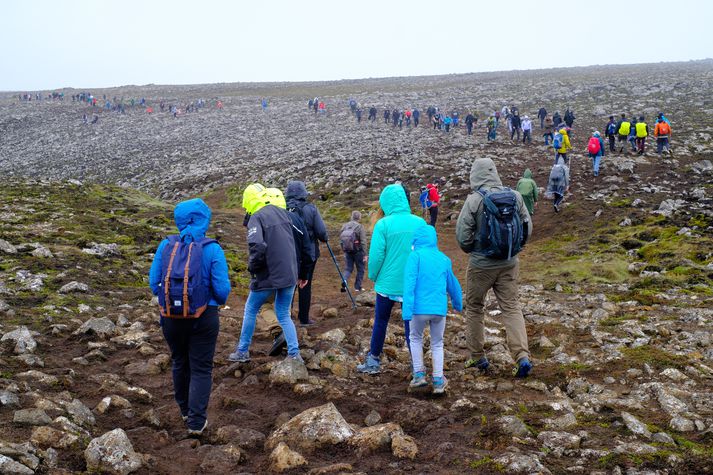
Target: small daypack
{"x":664,"y":128}
{"x":349,"y":239}
{"x":625,"y":128}
{"x":557,"y":140}
{"x":423,"y":199}
{"x":182,"y":292}
{"x":611,"y":128}
{"x":501,"y":236}
{"x":594,"y":146}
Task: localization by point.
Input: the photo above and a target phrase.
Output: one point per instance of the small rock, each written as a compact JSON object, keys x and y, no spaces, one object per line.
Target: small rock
{"x":288,"y":371}
{"x":635,"y":426}
{"x":73,"y":286}
{"x":10,"y":467}
{"x":312,"y":429}
{"x":663,"y":437}
{"x":9,"y":399}
{"x":681,"y":424}
{"x":46,"y":436}
{"x":544,"y":342}
{"x":7,"y":248}
{"x":559,"y":440}
{"x":80,"y":413}
{"x":221,"y":459}
{"x":512,"y":425}
{"x":372,"y":418}
{"x":283,"y":458}
{"x":367,"y":299}
{"x":113,"y":453}
{"x":102,"y":250}
{"x":373,"y":438}
{"x":330,"y":313}
{"x":243,"y":437}
{"x":23,"y":339}
{"x":101,"y":327}
{"x":31,"y":417}
{"x":335,"y":336}
{"x":404,"y":446}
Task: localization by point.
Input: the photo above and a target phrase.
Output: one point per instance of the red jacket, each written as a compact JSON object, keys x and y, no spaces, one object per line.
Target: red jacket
{"x":433,"y":195}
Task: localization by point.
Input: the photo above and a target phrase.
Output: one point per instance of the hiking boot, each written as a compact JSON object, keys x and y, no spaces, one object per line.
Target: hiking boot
{"x":343,"y":288}
{"x":440,"y":385}
{"x":557,"y":208}
{"x":418,"y":380}
{"x":198,"y":432}
{"x":278,"y":344}
{"x":239,"y":356}
{"x":308,"y":323}
{"x":482,"y":364}
{"x":296,"y":357}
{"x":370,"y":366}
{"x":523,"y":368}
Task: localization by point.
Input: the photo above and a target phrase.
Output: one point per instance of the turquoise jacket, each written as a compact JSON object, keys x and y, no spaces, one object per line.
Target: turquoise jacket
{"x":429,"y":278}
{"x":391,"y":242}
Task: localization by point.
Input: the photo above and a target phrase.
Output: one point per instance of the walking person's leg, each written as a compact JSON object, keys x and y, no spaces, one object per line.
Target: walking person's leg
{"x":256,"y":298}
{"x":438,"y":327}
{"x":359,"y":262}
{"x":382,"y":314}
{"x":283,"y":298}
{"x":305,"y":298}
{"x":478,"y":282}
{"x":348,"y":268}
{"x":417,"y":326}
{"x":433,"y":210}
{"x":506,"y":292}
{"x":176,"y":334}
{"x":203,"y":338}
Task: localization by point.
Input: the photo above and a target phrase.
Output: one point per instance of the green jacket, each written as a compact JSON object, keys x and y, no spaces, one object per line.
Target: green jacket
{"x":528,"y":189}
{"x":391,"y":242}
{"x":483,"y":175}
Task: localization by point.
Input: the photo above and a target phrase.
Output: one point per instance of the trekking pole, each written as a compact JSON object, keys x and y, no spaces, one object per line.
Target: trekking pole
{"x":341,"y":276}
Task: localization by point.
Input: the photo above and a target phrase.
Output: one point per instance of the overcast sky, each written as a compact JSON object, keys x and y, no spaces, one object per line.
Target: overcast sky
{"x":48,"y":44}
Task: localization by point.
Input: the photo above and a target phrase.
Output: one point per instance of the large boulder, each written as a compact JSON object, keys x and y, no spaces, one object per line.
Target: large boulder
{"x":312,"y":429}
{"x":101,"y":327}
{"x":112,"y":453}
{"x":22,"y":338}
{"x":288,"y":371}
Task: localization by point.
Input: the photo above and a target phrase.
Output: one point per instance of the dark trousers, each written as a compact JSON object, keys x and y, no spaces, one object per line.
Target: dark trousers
{"x":641,"y":144}
{"x":469,"y":128}
{"x":382,"y":314}
{"x":305,"y":295}
{"x":192,"y":345}
{"x":352,"y":259}
{"x":526,"y":136}
{"x":515,"y":130}
{"x":415,"y":121}
{"x":542,"y":122}
{"x":559,"y":198}
{"x":433,"y":211}
{"x":612,"y":143}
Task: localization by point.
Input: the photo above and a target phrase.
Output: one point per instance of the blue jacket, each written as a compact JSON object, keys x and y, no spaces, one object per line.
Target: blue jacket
{"x":391,"y":242}
{"x":429,"y":278}
{"x":192,"y":219}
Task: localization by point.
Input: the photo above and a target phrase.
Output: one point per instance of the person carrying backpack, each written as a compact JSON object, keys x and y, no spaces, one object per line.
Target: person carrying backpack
{"x":416,"y":116}
{"x":527,"y":188}
{"x":632,"y":134}
{"x":434,"y":198}
{"x":469,"y":121}
{"x":352,"y":239}
{"x":515,"y":123}
{"x":548,"y":135}
{"x":558,"y":184}
{"x":428,"y":281}
{"x":296,"y":195}
{"x":610,"y":131}
{"x":623,"y":128}
{"x":642,"y":131}
{"x":493,"y":210}
{"x":190,"y":323}
{"x":556,"y":119}
{"x":492,"y":128}
{"x":595,"y":149}
{"x":272,"y":263}
{"x":388,"y":252}
{"x":662,"y":132}
{"x":561,"y":144}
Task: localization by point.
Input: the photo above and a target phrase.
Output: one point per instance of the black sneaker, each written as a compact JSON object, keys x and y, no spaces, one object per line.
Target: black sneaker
{"x":278,"y":345}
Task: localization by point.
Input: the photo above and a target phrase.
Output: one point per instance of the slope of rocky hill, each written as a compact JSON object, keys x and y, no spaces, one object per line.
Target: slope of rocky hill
{"x":616,"y":289}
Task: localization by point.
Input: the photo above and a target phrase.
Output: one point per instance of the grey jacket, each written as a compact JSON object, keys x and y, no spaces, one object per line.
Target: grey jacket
{"x":272,"y":261}
{"x":484,"y":175}
{"x":296,"y":197}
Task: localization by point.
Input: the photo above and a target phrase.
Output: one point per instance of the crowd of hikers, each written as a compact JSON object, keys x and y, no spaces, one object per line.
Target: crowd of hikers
{"x":189,"y":276}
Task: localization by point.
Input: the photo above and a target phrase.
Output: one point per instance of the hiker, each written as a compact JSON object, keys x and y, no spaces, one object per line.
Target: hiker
{"x":493,"y":263}
{"x":436,"y":119}
{"x":435,"y":199}
{"x":515,"y":124}
{"x":662,"y":132}
{"x":296,"y":195}
{"x":190,"y":324}
{"x":526,"y":130}
{"x":322,"y":107}
{"x":455,"y":118}
{"x":556,"y":119}
{"x":428,"y":281}
{"x":558,"y":184}
{"x":492,"y":128}
{"x":541,"y":114}
{"x":315,"y":105}
{"x":95,"y":119}
{"x":595,"y":148}
{"x":623,"y":128}
{"x":548,"y":135}
{"x":358,"y":114}
{"x":407,"y":114}
{"x":352,"y":239}
{"x":263,"y":103}
{"x":395,"y":117}
{"x":447,"y":121}
{"x":642,"y":131}
{"x":469,"y":120}
{"x":387,"y":116}
{"x":372,"y":114}
{"x":416,"y":115}
{"x":388,"y":252}
{"x":569,"y":118}
{"x":309,"y":104}
{"x":561,"y":144}
{"x":610,"y":131}
{"x":527,"y":188}
{"x":272,"y":264}
{"x":496,"y":115}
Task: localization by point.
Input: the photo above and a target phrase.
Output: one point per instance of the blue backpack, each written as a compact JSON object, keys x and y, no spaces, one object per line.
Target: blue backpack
{"x":557,"y":140}
{"x":182,"y":292}
{"x":423,"y":199}
{"x":501,"y":236}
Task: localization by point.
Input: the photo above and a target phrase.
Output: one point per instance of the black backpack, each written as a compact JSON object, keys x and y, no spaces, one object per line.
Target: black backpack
{"x":501,"y":236}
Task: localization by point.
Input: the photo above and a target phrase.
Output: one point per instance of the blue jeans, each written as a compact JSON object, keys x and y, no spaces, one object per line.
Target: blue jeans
{"x":283,"y":300}
{"x":382,"y":313}
{"x":661,"y":144}
{"x":596,"y":159}
{"x":354,"y":259}
{"x":192,"y":345}
{"x":548,"y":137}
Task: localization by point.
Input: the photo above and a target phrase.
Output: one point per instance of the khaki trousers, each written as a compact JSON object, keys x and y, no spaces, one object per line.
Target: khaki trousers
{"x":503,"y":281}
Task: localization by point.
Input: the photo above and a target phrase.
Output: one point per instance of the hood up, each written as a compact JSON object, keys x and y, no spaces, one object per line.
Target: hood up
{"x":393,"y":200}
{"x":484,"y":174}
{"x":192,"y":219}
{"x":424,"y":236}
{"x":253,"y":198}
{"x":527,"y":174}
{"x":297,"y":190}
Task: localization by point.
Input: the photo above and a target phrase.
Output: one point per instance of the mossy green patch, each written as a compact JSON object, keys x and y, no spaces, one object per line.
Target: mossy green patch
{"x":656,"y":357}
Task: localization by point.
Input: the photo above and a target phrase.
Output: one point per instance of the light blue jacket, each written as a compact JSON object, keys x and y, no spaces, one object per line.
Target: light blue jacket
{"x":391,"y":242}
{"x":429,"y":278}
{"x":192,"y":219}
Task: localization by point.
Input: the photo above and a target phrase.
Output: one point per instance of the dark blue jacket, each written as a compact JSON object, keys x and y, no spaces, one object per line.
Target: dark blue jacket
{"x":296,"y":197}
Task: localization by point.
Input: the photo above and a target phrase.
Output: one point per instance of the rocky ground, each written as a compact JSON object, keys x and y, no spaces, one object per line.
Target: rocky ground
{"x":616,"y":289}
